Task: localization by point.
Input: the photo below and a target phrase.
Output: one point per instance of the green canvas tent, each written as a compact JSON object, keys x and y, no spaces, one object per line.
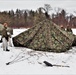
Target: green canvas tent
{"x":45,"y":36}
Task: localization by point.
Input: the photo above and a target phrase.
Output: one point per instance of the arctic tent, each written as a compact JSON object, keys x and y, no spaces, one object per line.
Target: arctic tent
{"x":44,"y":36}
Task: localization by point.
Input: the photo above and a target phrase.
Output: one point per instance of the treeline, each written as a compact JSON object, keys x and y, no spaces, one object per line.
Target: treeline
{"x":27,"y":18}
{"x":20,"y":18}
{"x":62,"y":18}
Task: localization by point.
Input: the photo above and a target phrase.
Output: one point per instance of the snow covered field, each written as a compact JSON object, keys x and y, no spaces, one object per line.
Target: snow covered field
{"x":27,"y":61}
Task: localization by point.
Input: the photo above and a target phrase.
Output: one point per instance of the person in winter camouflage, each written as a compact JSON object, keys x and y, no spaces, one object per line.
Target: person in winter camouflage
{"x":74,"y":42}
{"x":68,"y":29}
{"x":62,"y":28}
{"x":5,"y":37}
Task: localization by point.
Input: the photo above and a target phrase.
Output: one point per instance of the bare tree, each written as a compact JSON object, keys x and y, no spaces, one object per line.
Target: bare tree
{"x":47,"y":7}
{"x":57,"y":10}
{"x":75,"y":11}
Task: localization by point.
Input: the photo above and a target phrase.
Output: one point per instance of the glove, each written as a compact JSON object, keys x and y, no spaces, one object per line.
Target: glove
{"x":8,"y":33}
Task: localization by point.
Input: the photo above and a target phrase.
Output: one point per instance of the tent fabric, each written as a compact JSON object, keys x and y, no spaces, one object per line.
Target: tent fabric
{"x":45,"y":36}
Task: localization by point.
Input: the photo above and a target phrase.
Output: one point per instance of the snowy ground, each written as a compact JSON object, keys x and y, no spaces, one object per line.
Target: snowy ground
{"x":27,"y":61}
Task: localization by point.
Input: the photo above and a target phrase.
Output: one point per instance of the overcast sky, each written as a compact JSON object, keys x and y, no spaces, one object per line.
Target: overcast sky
{"x":69,"y":5}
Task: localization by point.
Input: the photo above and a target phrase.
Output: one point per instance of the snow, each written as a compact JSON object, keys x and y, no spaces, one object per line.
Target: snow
{"x":27,"y":61}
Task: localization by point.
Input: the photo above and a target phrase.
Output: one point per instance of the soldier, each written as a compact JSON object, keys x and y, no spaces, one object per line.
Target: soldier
{"x":5,"y":37}
{"x":68,"y":29}
{"x":74,"y":42}
{"x":62,"y":28}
